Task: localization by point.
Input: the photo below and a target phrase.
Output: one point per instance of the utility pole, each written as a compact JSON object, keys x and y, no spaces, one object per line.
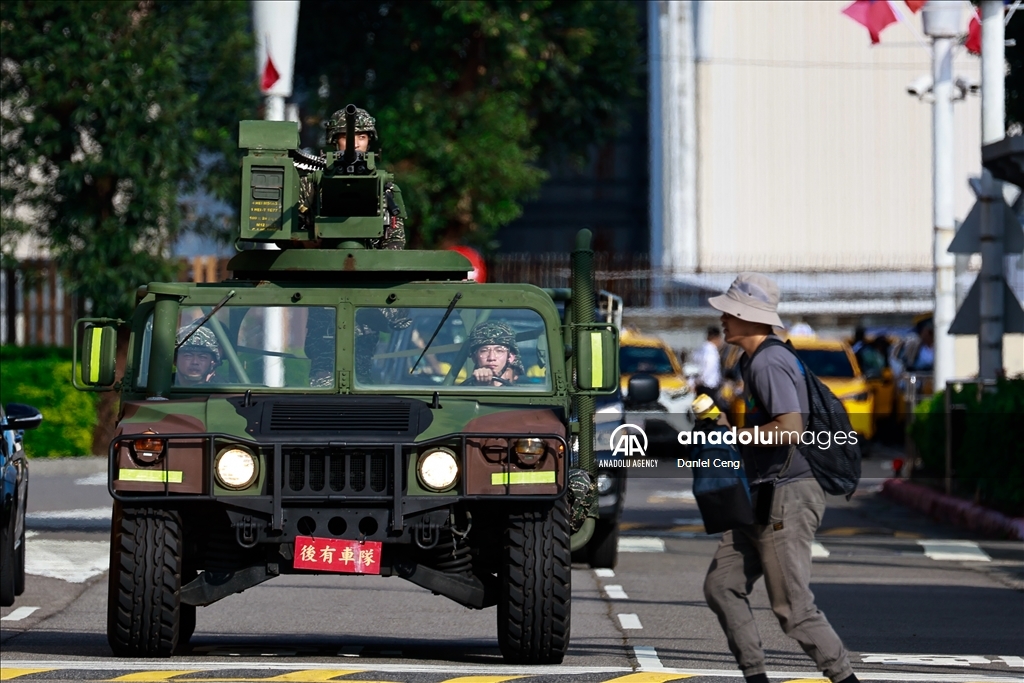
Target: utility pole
{"x":942,"y":23}
{"x":993,"y":129}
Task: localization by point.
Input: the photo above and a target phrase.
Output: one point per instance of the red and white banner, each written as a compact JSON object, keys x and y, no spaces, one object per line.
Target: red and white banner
{"x":275,"y":23}
{"x":337,"y":555}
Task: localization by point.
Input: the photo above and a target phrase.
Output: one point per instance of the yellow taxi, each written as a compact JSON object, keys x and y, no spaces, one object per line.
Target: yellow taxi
{"x":641,"y":353}
{"x":835,"y":364}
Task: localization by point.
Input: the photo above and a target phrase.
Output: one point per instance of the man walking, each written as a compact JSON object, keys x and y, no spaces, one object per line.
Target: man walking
{"x":789,"y":502}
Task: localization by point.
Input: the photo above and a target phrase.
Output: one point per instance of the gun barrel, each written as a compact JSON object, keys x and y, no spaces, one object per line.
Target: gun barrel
{"x":350,"y":134}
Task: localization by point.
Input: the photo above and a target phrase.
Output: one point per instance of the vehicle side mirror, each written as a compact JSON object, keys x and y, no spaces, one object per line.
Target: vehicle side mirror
{"x":98,"y":357}
{"x":21,"y":416}
{"x":642,"y":389}
{"x":597,"y":360}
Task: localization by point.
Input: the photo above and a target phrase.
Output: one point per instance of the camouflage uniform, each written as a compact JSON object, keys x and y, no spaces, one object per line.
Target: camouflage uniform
{"x":394,"y":234}
{"x":582,"y":494}
{"x":499,"y":334}
{"x":369,"y":323}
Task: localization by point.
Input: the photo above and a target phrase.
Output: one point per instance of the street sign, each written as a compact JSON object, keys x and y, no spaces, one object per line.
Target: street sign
{"x":968,"y":238}
{"x":968,"y":318}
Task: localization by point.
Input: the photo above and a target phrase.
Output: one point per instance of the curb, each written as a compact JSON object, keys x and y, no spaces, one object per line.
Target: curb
{"x":955,"y":511}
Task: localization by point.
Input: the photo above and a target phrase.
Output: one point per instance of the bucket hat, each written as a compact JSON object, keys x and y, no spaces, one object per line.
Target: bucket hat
{"x":753,"y":297}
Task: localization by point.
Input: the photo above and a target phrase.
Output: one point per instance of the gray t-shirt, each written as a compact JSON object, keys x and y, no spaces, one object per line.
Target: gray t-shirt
{"x":774,"y":377}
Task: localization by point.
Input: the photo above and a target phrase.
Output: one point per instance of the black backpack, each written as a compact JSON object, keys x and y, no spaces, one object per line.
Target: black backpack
{"x":837,"y":467}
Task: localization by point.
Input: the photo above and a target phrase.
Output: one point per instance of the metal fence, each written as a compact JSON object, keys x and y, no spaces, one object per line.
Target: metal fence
{"x":35,"y":307}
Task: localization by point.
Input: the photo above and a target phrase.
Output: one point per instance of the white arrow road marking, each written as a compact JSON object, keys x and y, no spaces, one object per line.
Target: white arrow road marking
{"x":924,"y":660}
{"x":19,"y":613}
{"x":954,"y":550}
{"x":615,"y":592}
{"x":630,"y":621}
{"x":641,"y":544}
{"x":819,"y":551}
{"x":1013,"y":661}
{"x":604,"y":573}
{"x":71,"y":561}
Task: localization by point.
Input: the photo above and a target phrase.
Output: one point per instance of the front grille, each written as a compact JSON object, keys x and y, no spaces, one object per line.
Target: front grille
{"x":326,"y":471}
{"x":324,"y":416}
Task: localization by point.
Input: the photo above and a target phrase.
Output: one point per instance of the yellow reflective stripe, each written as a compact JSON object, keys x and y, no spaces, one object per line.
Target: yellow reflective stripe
{"x":649,"y":677}
{"x":596,"y":361}
{"x":503,"y":478}
{"x":7,"y":674}
{"x":158,"y":476}
{"x":481,"y":679}
{"x":94,"y":357}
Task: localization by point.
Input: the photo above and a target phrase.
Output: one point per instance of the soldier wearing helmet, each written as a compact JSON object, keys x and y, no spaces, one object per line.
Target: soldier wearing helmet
{"x":495,"y":354}
{"x":197,"y":356}
{"x":365,"y":141}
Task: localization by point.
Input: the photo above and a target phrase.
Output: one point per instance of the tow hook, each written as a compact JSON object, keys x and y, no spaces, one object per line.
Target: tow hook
{"x":246,"y":532}
{"x":427,"y":534}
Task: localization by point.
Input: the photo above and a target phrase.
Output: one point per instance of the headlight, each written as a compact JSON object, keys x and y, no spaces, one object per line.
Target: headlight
{"x":529,"y":451}
{"x":236,"y":468}
{"x":438,"y":469}
{"x":604,"y":484}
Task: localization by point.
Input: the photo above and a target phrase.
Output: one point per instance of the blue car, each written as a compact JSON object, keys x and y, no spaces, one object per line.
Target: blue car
{"x":14,"y":470}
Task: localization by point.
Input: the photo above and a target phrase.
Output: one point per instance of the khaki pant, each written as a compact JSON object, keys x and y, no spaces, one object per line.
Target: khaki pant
{"x":781,"y":552}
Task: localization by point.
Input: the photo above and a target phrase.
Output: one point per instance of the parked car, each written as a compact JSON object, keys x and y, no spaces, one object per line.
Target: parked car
{"x":14,"y":470}
{"x":834,"y":362}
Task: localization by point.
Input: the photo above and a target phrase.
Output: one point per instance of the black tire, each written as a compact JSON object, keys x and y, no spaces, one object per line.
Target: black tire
{"x":7,"y":562}
{"x":603,"y":549}
{"x":534,"y":605}
{"x":144,"y":615}
{"x":19,"y":569}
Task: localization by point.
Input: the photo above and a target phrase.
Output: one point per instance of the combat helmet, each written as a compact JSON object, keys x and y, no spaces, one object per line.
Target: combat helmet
{"x":364,"y":124}
{"x":501,"y":334}
{"x":203,"y":339}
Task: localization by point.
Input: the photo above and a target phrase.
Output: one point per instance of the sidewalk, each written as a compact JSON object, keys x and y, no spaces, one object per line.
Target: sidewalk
{"x":953,"y":510}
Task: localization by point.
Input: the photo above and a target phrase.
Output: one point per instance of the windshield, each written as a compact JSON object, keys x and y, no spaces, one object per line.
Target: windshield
{"x":824,"y":363}
{"x":501,"y":349}
{"x":257,"y":346}
{"x":644,"y":359}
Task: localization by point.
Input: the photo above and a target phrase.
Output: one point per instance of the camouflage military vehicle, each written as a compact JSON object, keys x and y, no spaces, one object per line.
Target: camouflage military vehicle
{"x":322,"y":411}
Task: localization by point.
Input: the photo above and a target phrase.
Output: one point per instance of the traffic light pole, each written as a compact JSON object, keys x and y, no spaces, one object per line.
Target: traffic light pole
{"x":991,"y":228}
{"x":942,"y":25}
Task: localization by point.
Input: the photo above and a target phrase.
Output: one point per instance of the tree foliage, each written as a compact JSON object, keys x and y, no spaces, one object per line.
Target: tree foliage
{"x":111,"y":111}
{"x":469,"y":96}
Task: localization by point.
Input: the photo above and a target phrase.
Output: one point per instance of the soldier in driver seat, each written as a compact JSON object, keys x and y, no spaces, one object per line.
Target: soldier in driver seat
{"x":495,"y":354}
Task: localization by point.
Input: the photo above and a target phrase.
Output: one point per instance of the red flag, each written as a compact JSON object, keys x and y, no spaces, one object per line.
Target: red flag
{"x":270,"y":75}
{"x":973,"y":42}
{"x":915,"y":5}
{"x":874,"y":15}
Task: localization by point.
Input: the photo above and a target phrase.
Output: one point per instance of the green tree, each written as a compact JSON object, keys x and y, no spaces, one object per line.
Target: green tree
{"x":469,"y":96}
{"x":111,"y":111}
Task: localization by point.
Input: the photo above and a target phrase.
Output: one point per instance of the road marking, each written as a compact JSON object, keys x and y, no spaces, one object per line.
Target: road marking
{"x":646,"y":658}
{"x":7,"y":673}
{"x":604,"y":573}
{"x":15,"y":668}
{"x":77,"y":514}
{"x":19,"y":613}
{"x":480,"y":679}
{"x":924,"y":660}
{"x":641,"y":544}
{"x":819,"y":551}
{"x":98,"y":479}
{"x":1013,"y":661}
{"x":630,"y":621}
{"x":71,"y":561}
{"x":313,"y":676}
{"x":954,"y":550}
{"x":670,"y":496}
{"x":615,"y":592}
{"x":153,"y":676}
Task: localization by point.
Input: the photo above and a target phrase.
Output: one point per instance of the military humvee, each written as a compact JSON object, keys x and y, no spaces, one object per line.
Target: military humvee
{"x":339,"y":426}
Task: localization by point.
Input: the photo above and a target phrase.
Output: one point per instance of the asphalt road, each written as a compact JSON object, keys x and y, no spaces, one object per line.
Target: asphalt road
{"x":913,"y":601}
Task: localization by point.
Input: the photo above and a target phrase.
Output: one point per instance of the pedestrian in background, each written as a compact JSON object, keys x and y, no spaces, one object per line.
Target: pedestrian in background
{"x":709,"y":363}
{"x":789,"y":502}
